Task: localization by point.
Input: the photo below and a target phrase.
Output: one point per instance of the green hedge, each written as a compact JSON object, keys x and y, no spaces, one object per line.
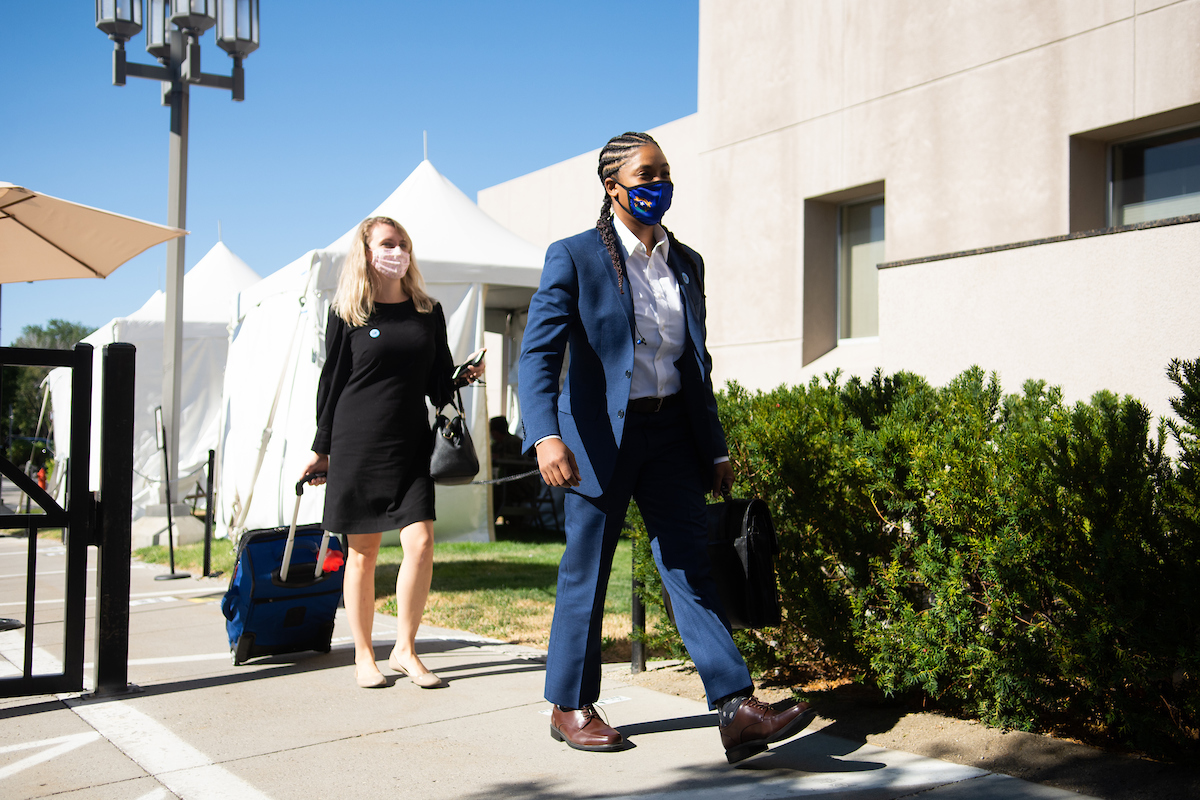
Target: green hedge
{"x":1028,"y":562}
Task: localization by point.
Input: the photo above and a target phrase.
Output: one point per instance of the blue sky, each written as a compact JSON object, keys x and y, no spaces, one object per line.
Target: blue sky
{"x":335,"y":105}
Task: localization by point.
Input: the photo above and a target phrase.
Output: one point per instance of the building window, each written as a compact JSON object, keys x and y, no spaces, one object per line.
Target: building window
{"x":1156,"y":177}
{"x":860,"y":250}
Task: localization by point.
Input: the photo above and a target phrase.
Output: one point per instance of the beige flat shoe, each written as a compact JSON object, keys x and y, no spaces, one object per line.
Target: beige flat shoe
{"x":426,"y":680}
{"x":376,"y":681}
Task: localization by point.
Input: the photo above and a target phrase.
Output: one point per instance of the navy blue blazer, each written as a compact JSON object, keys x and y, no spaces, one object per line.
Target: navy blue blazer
{"x":578,"y":305}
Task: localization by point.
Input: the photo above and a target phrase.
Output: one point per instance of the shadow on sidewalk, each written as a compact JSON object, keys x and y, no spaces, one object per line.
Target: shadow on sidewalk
{"x":668,"y":725}
{"x":704,"y":779}
{"x":1031,"y":757}
{"x":341,"y":657}
{"x":815,"y":752}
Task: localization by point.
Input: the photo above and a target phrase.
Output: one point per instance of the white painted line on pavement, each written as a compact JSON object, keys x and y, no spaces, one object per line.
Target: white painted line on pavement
{"x":208,"y":590}
{"x":40,"y":573}
{"x":155,"y":794}
{"x":12,"y":649}
{"x":55,"y":747}
{"x":170,"y":595}
{"x":149,"y":662}
{"x":151,"y":745}
{"x":155,"y":748}
{"x":224,"y":656}
{"x":192,"y":592}
{"x":57,"y":550}
{"x":37,"y":603}
{"x":145,"y":601}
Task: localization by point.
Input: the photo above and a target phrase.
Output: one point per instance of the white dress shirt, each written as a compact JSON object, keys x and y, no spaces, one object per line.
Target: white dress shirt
{"x":657,"y":312}
{"x":658,"y":316}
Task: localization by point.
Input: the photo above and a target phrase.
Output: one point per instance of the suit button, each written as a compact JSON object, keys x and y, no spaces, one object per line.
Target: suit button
{"x":621,"y":414}
{"x":628,"y":374}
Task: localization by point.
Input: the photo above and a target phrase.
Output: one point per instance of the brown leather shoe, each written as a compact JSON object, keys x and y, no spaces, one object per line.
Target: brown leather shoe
{"x":756,"y":725}
{"x":584,"y":730}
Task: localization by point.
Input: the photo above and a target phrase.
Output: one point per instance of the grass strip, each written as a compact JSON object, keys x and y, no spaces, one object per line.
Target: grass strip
{"x":190,"y":557}
{"x":503,"y":590}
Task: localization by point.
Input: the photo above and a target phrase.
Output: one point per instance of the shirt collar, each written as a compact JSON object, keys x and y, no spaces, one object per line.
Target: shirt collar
{"x":632,"y":244}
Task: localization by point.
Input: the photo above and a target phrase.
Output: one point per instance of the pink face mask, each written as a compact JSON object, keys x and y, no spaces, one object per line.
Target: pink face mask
{"x":392,"y":262}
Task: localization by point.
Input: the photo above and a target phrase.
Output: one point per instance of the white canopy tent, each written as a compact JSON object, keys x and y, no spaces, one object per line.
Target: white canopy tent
{"x":471,"y":264}
{"x":210,"y":288}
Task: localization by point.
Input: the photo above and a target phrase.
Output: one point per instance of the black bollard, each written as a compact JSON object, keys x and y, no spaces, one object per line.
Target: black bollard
{"x":208,"y":516}
{"x":637,"y":645}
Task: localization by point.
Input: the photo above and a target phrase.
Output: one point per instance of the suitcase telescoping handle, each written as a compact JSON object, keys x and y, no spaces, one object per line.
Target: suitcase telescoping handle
{"x":291,"y":540}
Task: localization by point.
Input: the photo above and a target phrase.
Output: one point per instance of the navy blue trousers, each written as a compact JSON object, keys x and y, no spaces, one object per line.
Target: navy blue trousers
{"x":658,"y":468}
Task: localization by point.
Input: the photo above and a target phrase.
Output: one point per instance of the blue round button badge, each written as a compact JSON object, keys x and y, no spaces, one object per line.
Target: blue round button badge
{"x":374,"y":333}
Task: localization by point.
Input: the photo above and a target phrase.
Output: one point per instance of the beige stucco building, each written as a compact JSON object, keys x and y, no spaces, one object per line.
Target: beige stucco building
{"x":931,"y":184}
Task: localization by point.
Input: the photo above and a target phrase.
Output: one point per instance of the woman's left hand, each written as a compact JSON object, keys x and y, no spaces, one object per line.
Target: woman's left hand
{"x":464,"y":374}
{"x":471,"y":374}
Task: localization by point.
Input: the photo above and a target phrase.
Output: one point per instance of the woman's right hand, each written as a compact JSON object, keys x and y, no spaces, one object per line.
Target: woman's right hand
{"x":318,"y":463}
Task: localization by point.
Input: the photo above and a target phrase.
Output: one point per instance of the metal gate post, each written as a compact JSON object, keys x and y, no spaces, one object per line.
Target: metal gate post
{"x":81,"y":515}
{"x":113,"y":518}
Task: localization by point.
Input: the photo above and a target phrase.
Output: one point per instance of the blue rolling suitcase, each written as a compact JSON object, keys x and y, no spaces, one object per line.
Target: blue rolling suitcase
{"x":285,"y":590}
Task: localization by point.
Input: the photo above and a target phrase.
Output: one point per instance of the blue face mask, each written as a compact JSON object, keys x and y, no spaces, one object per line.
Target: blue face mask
{"x":649,"y":201}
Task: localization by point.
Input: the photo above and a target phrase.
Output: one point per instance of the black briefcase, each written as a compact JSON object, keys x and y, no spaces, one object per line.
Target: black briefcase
{"x":742,"y":546}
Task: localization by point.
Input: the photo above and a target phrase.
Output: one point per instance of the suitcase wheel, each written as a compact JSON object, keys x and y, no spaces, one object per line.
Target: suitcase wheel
{"x":326,"y":641}
{"x":241,"y":652}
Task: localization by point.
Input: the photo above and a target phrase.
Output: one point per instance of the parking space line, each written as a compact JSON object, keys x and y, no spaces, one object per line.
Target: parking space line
{"x":179,"y":595}
{"x":174,"y":763}
{"x":54,"y":748}
{"x":155,"y":748}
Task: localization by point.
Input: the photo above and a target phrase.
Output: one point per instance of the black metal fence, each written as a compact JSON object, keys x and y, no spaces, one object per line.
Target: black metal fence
{"x":87,"y":519}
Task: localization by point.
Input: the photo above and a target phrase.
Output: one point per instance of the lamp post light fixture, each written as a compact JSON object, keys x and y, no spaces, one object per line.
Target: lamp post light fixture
{"x":195,"y":16}
{"x":173,"y":31}
{"x":158,"y":32}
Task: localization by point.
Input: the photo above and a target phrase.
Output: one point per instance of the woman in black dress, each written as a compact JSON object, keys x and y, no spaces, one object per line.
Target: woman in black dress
{"x":385,"y":352}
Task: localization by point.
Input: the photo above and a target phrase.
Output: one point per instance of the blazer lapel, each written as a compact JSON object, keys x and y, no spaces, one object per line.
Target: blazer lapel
{"x":623,"y":295}
{"x":689,"y":293}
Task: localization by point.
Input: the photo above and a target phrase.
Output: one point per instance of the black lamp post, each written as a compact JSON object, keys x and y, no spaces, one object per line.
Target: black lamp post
{"x":173,"y":31}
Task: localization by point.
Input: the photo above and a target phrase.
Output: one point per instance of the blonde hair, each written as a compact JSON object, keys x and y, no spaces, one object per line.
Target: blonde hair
{"x":354,"y":300}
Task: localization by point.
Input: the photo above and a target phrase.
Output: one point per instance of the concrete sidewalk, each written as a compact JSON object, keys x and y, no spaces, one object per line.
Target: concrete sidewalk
{"x":297,"y":726}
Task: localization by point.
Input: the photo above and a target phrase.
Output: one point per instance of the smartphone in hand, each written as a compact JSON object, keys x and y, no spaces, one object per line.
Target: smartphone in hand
{"x":473,"y":360}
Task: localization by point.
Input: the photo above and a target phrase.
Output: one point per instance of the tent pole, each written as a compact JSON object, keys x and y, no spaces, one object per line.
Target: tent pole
{"x":505,"y":358}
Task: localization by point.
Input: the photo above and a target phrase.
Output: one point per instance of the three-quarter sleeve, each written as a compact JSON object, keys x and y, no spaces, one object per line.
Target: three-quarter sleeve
{"x":441,"y":382}
{"x":334,"y":375}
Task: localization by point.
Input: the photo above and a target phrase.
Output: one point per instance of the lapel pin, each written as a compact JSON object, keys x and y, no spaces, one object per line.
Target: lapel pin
{"x":685,"y":279}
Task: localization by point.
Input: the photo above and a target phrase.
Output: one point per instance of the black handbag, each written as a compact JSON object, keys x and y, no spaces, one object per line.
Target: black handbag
{"x":742,"y":546}
{"x":453,"y":460}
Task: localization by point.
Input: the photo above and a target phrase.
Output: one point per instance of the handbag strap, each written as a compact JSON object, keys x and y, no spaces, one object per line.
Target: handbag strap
{"x":456,"y":402}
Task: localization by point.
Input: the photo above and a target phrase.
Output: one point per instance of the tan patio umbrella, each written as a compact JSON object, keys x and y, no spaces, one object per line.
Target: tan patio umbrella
{"x":43,"y":237}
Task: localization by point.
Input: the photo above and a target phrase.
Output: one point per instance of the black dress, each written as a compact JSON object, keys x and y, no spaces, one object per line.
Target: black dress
{"x":372,"y":419}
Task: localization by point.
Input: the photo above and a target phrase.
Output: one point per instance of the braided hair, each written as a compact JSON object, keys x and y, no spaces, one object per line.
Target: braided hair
{"x":612,"y":157}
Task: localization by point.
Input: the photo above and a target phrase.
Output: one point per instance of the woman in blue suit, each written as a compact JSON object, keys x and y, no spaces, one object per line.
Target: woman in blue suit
{"x":635,"y":418}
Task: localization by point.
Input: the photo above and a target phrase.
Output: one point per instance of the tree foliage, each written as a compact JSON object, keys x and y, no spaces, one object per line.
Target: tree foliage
{"x":21,"y":388}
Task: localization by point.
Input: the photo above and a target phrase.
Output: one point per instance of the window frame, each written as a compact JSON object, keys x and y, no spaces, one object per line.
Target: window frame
{"x":840,"y":265}
{"x":1110,"y":208}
